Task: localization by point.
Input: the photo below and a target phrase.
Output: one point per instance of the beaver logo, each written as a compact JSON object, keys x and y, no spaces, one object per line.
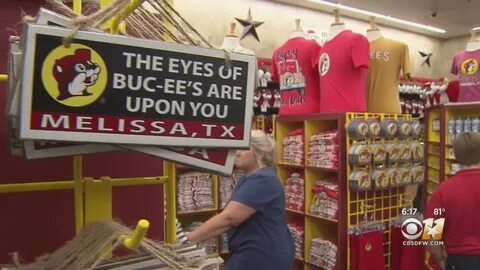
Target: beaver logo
{"x":79,"y":75}
{"x":75,"y":73}
{"x":470,"y":66}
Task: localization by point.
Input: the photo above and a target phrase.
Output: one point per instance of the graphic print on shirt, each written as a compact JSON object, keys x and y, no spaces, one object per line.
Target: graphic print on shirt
{"x":291,"y":77}
{"x":470,"y":66}
{"x":379,"y":55}
{"x":469,"y":72}
{"x":324,"y":64}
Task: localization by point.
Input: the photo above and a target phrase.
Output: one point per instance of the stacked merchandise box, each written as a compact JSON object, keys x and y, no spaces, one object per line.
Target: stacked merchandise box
{"x":297,"y":230}
{"x":323,"y":150}
{"x":227,"y":185}
{"x":325,"y":199}
{"x":194,"y":192}
{"x":323,"y":253}
{"x":295,"y":192}
{"x":293,"y":147}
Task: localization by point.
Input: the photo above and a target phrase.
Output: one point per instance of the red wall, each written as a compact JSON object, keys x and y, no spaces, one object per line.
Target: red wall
{"x":34,"y":223}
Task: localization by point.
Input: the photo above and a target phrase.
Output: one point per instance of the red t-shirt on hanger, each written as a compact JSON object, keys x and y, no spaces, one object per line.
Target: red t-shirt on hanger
{"x":294,"y":68}
{"x":343,"y":67}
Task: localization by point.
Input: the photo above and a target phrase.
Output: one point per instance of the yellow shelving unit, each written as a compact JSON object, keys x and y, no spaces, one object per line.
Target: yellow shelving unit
{"x":438,"y":148}
{"x":384,"y":205}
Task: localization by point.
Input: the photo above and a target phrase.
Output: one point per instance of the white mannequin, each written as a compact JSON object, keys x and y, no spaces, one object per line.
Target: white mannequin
{"x":298,"y":32}
{"x":231,"y":42}
{"x":373,"y":33}
{"x":474,"y":43}
{"x":337,"y":27}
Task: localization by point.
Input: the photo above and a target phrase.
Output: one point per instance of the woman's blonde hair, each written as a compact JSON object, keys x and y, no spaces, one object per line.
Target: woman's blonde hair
{"x":264,"y":147}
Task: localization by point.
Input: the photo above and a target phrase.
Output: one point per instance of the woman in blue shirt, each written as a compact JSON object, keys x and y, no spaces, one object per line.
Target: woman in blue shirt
{"x":254,"y":219}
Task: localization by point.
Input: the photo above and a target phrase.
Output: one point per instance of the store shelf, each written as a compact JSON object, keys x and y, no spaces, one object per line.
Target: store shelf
{"x":322,"y":168}
{"x":197,"y":212}
{"x":291,"y":165}
{"x":314,"y":265}
{"x":322,"y":218}
{"x":294,"y":211}
{"x":436,"y":181}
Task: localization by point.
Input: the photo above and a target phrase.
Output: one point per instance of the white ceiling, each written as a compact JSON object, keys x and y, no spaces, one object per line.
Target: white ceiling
{"x":455,"y":16}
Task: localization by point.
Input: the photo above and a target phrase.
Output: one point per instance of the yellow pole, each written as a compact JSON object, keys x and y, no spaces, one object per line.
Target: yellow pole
{"x":79,"y":203}
{"x":138,"y":234}
{"x":170,"y":198}
{"x":77,"y":6}
{"x":41,"y":186}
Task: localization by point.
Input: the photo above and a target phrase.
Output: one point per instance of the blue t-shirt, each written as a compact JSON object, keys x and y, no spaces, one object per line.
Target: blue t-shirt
{"x":263,"y":241}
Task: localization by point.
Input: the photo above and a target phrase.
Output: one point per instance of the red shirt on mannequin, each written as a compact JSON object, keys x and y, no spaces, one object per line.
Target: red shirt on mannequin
{"x":343,"y":67}
{"x":294,"y":67}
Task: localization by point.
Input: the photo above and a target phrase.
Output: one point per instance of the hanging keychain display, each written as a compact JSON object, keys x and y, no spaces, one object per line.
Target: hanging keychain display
{"x":417,"y":152}
{"x":418,"y":173}
{"x":360,"y":180}
{"x":388,"y":128}
{"x":404,"y":128}
{"x":359,"y":155}
{"x":405,"y":175}
{"x":379,"y":154}
{"x":393,"y":153}
{"x":394,"y":176}
{"x":416,"y":128}
{"x":373,"y":128}
{"x":405,"y":153}
{"x":380,"y":179}
{"x":358,"y":129}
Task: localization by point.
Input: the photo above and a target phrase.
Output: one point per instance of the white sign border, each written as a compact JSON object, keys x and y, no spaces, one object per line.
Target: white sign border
{"x":26,"y":133}
{"x":186,"y":159}
{"x":64,"y":151}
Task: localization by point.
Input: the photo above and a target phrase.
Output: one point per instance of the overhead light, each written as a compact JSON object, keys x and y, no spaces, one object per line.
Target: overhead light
{"x":380,"y":16}
{"x":476,"y":28}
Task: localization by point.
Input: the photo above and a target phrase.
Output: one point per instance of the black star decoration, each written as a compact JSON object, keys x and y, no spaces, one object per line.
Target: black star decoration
{"x":249,"y":26}
{"x":426,"y":57}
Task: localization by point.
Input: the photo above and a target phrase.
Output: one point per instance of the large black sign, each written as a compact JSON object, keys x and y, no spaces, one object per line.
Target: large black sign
{"x":114,"y":89}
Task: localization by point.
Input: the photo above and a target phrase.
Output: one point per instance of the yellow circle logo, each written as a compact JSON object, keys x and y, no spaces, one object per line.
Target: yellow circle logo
{"x":75,"y":76}
{"x":470,"y":66}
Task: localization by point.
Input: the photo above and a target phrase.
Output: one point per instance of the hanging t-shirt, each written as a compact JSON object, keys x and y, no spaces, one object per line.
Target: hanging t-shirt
{"x":387,"y":58}
{"x":343,"y":67}
{"x":294,"y":68}
{"x":465,"y":64}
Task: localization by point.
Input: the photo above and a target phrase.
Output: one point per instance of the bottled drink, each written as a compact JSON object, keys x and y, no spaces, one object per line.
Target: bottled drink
{"x":476,"y":124}
{"x":467,"y":125}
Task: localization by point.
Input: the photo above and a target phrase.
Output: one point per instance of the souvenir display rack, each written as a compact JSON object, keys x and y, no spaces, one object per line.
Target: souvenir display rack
{"x":353,"y":205}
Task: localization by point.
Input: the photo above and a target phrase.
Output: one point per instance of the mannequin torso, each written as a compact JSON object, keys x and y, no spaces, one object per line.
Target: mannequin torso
{"x":230,"y":43}
{"x":473,"y":45}
{"x":336,"y":29}
{"x":373,"y":35}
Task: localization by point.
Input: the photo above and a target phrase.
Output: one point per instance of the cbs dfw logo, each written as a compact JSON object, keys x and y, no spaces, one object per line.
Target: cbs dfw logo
{"x":430,"y":230}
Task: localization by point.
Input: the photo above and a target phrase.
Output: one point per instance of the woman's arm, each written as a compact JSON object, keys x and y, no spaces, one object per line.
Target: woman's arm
{"x":233,"y":215}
